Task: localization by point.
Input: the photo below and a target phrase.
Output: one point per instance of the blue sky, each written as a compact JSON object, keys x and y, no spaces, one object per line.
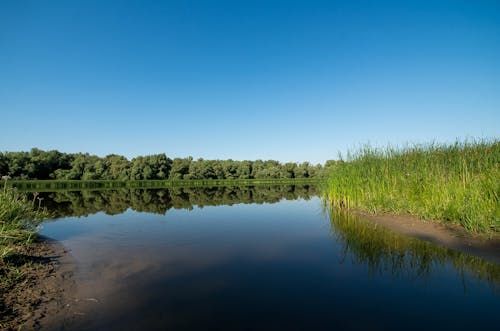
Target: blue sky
{"x":285,"y":80}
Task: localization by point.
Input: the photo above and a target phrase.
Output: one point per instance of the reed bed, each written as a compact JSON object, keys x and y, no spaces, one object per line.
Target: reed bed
{"x":19,"y":216}
{"x":455,"y":183}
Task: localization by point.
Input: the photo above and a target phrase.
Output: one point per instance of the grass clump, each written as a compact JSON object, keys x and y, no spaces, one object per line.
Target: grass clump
{"x":457,"y":183}
{"x":19,"y":217}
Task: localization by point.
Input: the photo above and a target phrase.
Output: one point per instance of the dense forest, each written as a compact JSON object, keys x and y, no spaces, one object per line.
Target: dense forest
{"x":39,"y":164}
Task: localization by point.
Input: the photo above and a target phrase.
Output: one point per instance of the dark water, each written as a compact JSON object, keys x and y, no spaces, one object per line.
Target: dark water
{"x":263,"y":258}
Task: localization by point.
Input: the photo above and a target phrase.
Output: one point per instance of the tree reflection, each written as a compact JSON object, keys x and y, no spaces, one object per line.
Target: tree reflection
{"x":362,"y":241}
{"x":159,"y":201}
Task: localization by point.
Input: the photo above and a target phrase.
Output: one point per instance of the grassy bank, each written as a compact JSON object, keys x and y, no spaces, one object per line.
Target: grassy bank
{"x":457,"y":183}
{"x":19,"y":216}
{"x":54,"y":185}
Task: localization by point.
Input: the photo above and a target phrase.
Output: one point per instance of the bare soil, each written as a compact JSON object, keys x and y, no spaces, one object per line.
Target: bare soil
{"x":45,"y":288}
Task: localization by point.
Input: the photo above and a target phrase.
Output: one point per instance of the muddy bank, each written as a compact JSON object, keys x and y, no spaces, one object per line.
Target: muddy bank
{"x":454,"y":237}
{"x":41,"y":293}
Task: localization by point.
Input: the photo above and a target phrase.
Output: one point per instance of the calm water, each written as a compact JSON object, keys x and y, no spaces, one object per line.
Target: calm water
{"x":264,"y":258}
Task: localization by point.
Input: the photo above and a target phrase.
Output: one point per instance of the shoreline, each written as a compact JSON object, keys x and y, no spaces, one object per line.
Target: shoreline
{"x":485,"y":246}
{"x":46,"y":289}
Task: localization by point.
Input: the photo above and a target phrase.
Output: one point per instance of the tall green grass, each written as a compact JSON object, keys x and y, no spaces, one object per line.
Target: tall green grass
{"x":456,"y":183}
{"x":19,"y":216}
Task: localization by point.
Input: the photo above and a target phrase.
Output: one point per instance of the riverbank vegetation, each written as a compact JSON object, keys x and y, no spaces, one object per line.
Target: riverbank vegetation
{"x":19,"y":216}
{"x":39,"y":164}
{"x":456,"y":183}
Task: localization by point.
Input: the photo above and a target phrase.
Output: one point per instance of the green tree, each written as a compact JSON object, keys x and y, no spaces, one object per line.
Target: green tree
{"x":244,"y":170}
{"x":4,"y":167}
{"x":230,"y":169}
{"x":118,"y":167}
{"x":180,"y":168}
{"x":288,"y":170}
{"x":302,"y":170}
{"x":137,"y":169}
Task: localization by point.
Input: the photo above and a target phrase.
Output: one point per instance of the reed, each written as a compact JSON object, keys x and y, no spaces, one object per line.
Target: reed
{"x":19,"y":216}
{"x":455,"y":183}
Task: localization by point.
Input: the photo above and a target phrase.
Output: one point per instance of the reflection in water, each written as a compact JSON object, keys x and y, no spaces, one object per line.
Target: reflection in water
{"x":382,"y":250}
{"x":257,"y":267}
{"x":365,"y":242}
{"x":159,"y":201}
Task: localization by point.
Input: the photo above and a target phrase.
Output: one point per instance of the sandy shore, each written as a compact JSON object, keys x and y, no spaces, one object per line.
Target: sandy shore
{"x":454,"y":237}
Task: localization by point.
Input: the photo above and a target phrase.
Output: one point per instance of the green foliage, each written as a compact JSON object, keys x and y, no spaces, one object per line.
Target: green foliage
{"x":456,"y":183}
{"x":118,"y":167}
{"x":19,"y":216}
{"x":38,"y":164}
{"x":150,"y":167}
{"x":180,"y":168}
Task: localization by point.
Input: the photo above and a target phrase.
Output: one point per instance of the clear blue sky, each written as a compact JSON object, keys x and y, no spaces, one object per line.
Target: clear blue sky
{"x":285,"y":80}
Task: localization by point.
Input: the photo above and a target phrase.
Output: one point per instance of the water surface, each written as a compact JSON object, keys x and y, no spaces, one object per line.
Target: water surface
{"x":258,"y":258}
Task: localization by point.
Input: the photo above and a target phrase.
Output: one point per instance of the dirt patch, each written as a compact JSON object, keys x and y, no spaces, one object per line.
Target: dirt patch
{"x":44,"y":286}
{"x":454,"y":237}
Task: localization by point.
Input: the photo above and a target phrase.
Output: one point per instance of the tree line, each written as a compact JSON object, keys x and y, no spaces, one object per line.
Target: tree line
{"x":39,"y":164}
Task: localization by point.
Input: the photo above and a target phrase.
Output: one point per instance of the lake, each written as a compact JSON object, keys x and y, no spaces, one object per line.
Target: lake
{"x":257,"y":258}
